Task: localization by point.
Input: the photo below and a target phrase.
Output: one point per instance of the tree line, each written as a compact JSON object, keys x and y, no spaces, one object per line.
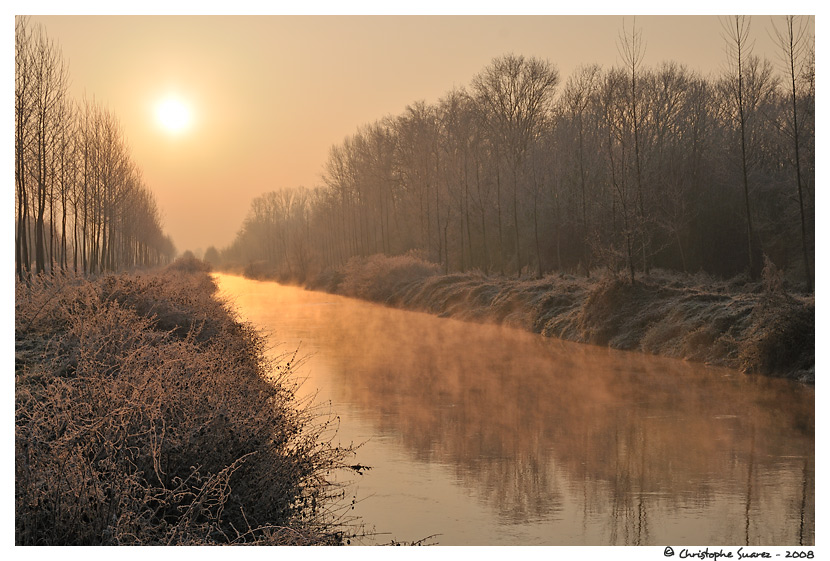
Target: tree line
{"x":80,"y":201}
{"x":626,"y":168}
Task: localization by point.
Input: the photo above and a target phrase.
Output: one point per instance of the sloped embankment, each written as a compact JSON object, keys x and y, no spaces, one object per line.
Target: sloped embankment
{"x":145,"y":414}
{"x":750,"y":327}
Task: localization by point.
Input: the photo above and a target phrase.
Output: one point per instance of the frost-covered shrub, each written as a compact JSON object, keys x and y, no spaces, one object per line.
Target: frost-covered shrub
{"x":607,"y":305}
{"x":327,"y":281}
{"x":781,"y":337}
{"x":380,"y":278}
{"x":663,"y":336}
{"x":259,"y":270}
{"x":131,"y":431}
{"x":188,"y":263}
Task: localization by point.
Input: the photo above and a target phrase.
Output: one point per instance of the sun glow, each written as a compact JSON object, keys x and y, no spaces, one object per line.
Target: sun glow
{"x":173,"y":115}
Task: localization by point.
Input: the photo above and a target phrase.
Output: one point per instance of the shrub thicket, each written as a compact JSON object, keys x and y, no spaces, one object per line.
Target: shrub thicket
{"x":145,"y":414}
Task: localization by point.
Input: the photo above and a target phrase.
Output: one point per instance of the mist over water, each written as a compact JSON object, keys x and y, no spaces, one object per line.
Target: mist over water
{"x":492,"y":436}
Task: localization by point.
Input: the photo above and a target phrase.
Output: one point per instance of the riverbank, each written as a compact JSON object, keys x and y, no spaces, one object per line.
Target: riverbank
{"x":146,"y":414}
{"x":758,"y":328}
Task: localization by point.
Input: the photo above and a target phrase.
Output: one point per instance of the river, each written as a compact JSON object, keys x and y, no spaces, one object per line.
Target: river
{"x":486,"y":435}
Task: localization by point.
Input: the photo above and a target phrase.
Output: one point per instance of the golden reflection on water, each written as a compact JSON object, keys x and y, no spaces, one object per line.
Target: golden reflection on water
{"x":500,"y":436}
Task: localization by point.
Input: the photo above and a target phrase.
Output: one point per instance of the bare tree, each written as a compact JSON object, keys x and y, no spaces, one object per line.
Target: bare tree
{"x":579,"y":90}
{"x":23,"y":112}
{"x":736,"y":32}
{"x":516,"y":94}
{"x":51,"y":82}
{"x":632,"y":50}
{"x":615,"y":126}
{"x":794,"y":42}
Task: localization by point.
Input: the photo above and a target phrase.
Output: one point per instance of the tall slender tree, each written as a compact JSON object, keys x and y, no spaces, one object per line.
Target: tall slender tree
{"x":794,"y":44}
{"x":632,"y":50}
{"x":579,"y":90}
{"x":739,"y":47}
{"x":23,"y":113}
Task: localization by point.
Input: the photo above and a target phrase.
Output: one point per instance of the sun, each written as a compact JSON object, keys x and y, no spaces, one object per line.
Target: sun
{"x":173,"y":115}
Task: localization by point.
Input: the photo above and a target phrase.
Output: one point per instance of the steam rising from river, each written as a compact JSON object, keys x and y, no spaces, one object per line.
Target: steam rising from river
{"x":607,"y":447}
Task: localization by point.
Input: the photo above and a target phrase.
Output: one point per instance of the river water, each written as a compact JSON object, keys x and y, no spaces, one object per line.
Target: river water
{"x":485,"y":435}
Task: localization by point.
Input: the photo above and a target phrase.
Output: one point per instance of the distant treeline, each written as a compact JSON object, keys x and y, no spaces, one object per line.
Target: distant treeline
{"x":80,"y":201}
{"x":627,"y":168}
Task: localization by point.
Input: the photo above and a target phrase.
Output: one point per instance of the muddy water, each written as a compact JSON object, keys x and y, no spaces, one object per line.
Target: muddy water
{"x":492,"y":436}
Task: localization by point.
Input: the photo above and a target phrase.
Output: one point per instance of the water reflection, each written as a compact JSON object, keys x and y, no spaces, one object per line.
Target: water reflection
{"x":564,"y":443}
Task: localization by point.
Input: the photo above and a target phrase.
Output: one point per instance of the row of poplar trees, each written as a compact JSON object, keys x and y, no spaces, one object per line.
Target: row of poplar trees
{"x":628,"y":168}
{"x":80,"y":202}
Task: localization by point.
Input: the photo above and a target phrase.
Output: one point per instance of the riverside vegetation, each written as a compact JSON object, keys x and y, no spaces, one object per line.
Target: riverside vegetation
{"x":146,"y":413}
{"x":757,"y":327}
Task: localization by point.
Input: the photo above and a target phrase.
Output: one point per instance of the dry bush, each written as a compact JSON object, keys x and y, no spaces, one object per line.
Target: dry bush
{"x":380,"y":278}
{"x":445,"y":295}
{"x":188,"y":263}
{"x":781,"y":338}
{"x":771,"y":277}
{"x":326,"y":281}
{"x":555,"y":302}
{"x":259,"y":270}
{"x":146,"y":415}
{"x":665,"y":336}
{"x":609,"y":304}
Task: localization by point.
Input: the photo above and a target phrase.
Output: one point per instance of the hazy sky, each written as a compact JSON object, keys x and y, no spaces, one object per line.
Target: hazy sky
{"x":270,"y":95}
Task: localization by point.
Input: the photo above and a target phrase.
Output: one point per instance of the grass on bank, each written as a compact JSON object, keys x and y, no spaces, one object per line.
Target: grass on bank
{"x":756,"y":327}
{"x":146,"y":414}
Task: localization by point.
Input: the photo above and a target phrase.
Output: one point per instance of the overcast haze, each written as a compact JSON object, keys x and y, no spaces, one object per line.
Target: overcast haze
{"x":271,"y":94}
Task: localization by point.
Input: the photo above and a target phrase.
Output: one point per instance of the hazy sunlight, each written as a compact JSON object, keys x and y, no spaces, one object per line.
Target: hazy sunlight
{"x":173,"y":115}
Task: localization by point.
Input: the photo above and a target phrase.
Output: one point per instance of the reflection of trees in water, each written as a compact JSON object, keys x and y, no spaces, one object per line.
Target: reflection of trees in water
{"x":529,"y":424}
{"x":509,"y":411}
{"x":806,"y":534}
{"x":523,"y":489}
